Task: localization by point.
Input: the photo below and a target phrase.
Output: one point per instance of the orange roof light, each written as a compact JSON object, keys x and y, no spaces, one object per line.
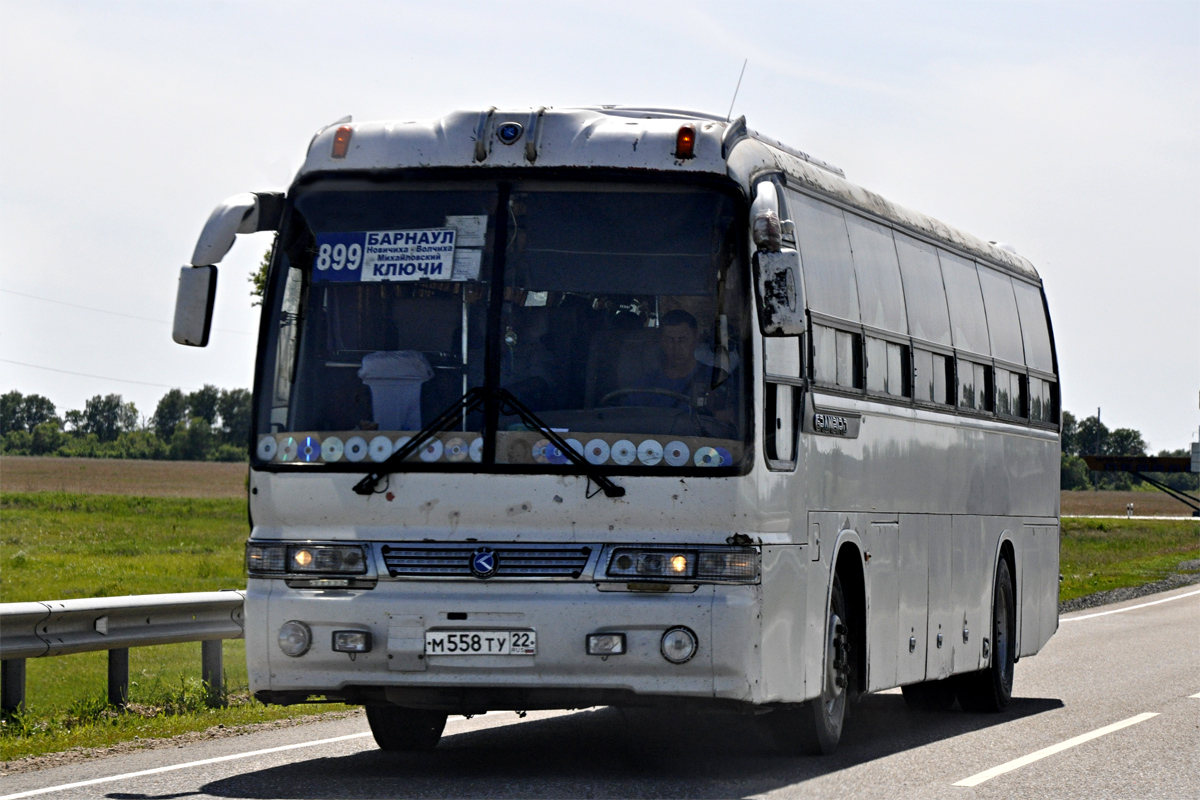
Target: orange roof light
{"x":685,"y":142}
{"x":341,"y":141}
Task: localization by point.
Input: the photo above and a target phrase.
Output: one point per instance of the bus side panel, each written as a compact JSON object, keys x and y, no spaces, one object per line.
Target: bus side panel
{"x":936,"y":530}
{"x":883,"y":605}
{"x":968,"y":566}
{"x":1038,"y":589}
{"x":913,"y":614}
{"x":785,"y":609}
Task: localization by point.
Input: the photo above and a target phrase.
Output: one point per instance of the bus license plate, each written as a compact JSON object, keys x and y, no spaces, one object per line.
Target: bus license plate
{"x":480,"y":643}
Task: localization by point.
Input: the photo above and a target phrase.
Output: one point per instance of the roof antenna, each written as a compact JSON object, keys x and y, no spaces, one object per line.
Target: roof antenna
{"x":735,"y":91}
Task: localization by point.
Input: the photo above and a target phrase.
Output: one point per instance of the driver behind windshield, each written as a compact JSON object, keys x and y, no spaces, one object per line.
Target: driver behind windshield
{"x":674,"y":384}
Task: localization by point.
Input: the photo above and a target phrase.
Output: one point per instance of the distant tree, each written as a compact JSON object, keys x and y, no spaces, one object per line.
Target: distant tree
{"x":172,"y":410}
{"x":107,"y":416}
{"x":234,"y":408}
{"x":1125,"y":442}
{"x":192,"y":441}
{"x":258,"y":278}
{"x":47,"y":438}
{"x":36,"y":410}
{"x":1070,"y":433}
{"x":1073,"y":473}
{"x":74,"y":421}
{"x":203,"y":402}
{"x":12,"y":409}
{"x":1092,"y":437}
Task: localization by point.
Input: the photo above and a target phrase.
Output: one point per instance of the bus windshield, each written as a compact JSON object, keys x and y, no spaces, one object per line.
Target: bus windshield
{"x":616,"y":312}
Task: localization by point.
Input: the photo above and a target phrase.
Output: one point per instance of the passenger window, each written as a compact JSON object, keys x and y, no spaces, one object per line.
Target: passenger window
{"x":880,"y":292}
{"x":1034,"y":329}
{"x":1004,"y":327}
{"x":1041,"y":400}
{"x":781,"y":415}
{"x":967,"y":316}
{"x":886,"y":367}
{"x":932,"y":381}
{"x":974,"y":386}
{"x":1010,"y":395}
{"x":924,"y":295}
{"x":836,"y":358}
{"x":829,"y":284}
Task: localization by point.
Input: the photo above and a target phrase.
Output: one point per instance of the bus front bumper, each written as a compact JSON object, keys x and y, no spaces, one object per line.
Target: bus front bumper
{"x":724,"y":619}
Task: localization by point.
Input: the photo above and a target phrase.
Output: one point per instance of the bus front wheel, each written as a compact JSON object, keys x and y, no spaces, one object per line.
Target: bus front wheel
{"x":401,"y":730}
{"x":816,"y":726}
{"x":990,"y":689}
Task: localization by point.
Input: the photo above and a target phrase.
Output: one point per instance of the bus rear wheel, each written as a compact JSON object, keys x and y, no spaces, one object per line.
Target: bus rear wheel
{"x":990,"y":689}
{"x":405,"y":730}
{"x":816,"y":726}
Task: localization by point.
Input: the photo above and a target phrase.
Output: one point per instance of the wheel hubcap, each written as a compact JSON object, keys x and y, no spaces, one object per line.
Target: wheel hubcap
{"x":837,"y":665}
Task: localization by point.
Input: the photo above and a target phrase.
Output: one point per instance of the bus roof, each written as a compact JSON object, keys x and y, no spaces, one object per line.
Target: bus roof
{"x":620,"y":137}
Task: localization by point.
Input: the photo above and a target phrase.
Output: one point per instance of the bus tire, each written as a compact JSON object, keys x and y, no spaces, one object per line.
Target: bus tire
{"x":929,"y":695}
{"x":815,"y":727}
{"x":990,"y":689}
{"x":405,"y":730}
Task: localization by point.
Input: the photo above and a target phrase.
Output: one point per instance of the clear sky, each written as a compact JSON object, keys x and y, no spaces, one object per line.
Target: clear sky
{"x":1069,"y":130}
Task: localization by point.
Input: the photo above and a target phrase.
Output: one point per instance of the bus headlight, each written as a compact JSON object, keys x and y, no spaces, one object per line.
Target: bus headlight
{"x":294,"y":638}
{"x":339,"y":558}
{"x":724,"y":564}
{"x":678,"y":645}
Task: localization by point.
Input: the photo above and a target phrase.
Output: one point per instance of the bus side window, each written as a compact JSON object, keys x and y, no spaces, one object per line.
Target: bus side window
{"x":780,"y":417}
{"x":887,"y":368}
{"x":974,"y":386}
{"x":933,"y":377}
{"x":1010,"y":393}
{"x":837,"y":358}
{"x":1041,"y":400}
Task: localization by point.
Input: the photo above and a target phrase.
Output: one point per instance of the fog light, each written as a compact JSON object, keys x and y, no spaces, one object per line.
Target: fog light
{"x":294,"y":638}
{"x":352,"y":641}
{"x":678,"y":645}
{"x":605,"y":644}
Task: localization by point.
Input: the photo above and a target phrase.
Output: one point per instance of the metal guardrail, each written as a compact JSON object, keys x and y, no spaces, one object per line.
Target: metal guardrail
{"x":62,"y":627}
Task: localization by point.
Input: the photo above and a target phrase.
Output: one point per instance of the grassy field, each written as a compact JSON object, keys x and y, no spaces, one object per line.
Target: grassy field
{"x":1101,"y":554}
{"x":55,"y":545}
{"x":1149,"y":503}
{"x":118,"y":476}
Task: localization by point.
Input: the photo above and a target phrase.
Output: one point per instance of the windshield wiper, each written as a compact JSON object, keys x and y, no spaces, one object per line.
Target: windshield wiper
{"x":509,"y":404}
{"x":474,"y":400}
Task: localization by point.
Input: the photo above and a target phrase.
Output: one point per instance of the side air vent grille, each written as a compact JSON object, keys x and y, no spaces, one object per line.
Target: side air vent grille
{"x":534,"y":561}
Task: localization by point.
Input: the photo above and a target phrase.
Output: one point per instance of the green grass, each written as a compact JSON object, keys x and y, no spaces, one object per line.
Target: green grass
{"x":1102,"y":554}
{"x":55,"y":546}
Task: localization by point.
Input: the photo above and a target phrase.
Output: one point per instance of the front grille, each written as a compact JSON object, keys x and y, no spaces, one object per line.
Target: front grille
{"x":564,"y":562}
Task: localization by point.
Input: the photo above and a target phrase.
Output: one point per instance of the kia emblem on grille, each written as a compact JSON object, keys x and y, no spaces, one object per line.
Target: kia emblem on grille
{"x":483,"y":563}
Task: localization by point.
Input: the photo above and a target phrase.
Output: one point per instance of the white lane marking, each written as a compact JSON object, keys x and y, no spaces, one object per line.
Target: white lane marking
{"x":1196,"y":695}
{"x":173,"y":767}
{"x":1115,"y":611}
{"x":1016,"y":763}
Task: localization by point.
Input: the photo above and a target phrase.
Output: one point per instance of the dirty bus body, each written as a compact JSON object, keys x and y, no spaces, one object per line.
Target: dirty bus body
{"x":615,"y":406}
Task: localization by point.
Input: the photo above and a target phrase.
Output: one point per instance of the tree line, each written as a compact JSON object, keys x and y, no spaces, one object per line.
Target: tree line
{"x":209,"y":424}
{"x":1091,"y":437}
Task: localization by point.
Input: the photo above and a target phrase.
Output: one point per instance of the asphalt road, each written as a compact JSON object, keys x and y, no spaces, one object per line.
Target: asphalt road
{"x":1100,"y":669}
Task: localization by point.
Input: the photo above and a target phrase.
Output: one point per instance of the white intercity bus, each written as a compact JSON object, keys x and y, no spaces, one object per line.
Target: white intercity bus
{"x":559,"y":408}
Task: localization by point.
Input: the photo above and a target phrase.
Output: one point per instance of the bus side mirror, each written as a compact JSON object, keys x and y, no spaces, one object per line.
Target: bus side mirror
{"x":780,"y":293}
{"x":242,"y":213}
{"x":194,"y":305}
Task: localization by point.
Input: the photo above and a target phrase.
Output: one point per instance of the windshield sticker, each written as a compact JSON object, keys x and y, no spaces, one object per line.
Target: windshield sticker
{"x":378,"y":256}
{"x":466,"y":265}
{"x":472,"y":230}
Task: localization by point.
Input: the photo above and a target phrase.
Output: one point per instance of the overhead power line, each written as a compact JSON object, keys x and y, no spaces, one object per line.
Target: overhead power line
{"x":111,"y":313}
{"x":98,"y":377}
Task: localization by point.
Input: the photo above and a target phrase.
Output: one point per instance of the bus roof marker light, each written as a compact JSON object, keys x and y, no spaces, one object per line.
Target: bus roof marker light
{"x":341,"y":141}
{"x":685,"y":142}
